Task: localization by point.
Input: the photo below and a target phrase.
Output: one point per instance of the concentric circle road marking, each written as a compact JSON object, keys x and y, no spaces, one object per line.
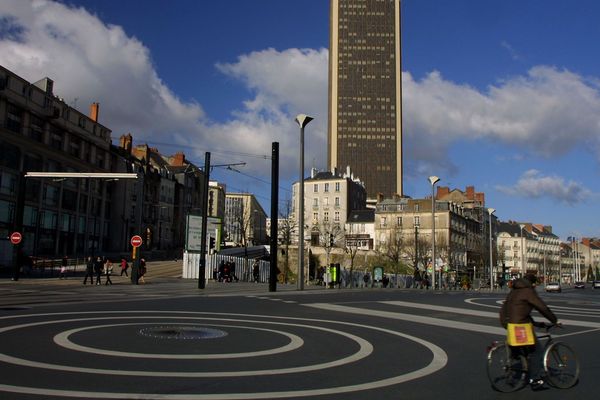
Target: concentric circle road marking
{"x":62,"y":339}
{"x":439,"y":361}
{"x":365,"y":349}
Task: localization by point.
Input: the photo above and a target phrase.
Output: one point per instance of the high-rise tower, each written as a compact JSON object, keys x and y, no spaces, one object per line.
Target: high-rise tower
{"x":365,"y":93}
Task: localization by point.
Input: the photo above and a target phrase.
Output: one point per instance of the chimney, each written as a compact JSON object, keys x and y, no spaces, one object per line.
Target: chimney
{"x":480,"y":197}
{"x":178,"y":159}
{"x":396,"y":197}
{"x":94,"y":111}
{"x":126,"y":142}
{"x":471,"y":192}
{"x":442,"y":191}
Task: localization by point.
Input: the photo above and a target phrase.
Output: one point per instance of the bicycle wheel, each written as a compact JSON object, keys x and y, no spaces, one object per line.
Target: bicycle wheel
{"x":506,"y":371}
{"x":561,"y":365}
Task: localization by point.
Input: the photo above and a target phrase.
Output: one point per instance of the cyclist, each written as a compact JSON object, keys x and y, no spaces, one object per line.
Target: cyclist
{"x":517,"y":308}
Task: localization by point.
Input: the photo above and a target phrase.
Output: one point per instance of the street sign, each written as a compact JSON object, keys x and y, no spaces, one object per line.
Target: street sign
{"x":15,"y":237}
{"x":136,"y":241}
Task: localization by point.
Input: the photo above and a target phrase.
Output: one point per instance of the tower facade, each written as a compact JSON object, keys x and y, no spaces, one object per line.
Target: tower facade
{"x":365,"y":93}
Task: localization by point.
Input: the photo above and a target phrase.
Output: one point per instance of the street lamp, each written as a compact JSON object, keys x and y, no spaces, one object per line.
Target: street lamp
{"x":433,"y":180}
{"x":490,"y":212}
{"x":523,"y":270}
{"x":302,"y":120}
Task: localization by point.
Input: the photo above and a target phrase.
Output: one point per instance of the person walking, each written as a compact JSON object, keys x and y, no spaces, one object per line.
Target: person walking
{"x":142,"y":270}
{"x":256,"y":271}
{"x":89,"y":271}
{"x":516,"y":309}
{"x":108,"y":269}
{"x":124,"y":267}
{"x":98,"y":266}
{"x":63,"y":268}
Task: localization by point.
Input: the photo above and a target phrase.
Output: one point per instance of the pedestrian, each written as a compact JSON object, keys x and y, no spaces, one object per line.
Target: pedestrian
{"x":256,"y":271}
{"x":232,"y":272}
{"x":89,"y":271}
{"x":367,"y":278}
{"x":63,"y":268}
{"x":18,"y":264}
{"x":516,"y":309}
{"x":124,"y":267}
{"x":98,"y":266}
{"x":142,"y":270}
{"x":221,"y":273}
{"x":108,"y":269}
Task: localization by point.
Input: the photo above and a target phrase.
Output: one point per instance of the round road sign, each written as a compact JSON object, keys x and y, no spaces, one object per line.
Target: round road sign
{"x":15,"y":237}
{"x":136,"y":241}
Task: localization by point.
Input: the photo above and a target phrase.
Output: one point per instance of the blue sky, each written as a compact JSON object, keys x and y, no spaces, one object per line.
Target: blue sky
{"x":503,"y":95}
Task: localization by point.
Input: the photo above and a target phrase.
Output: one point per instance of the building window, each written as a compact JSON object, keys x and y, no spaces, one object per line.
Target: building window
{"x":7,"y":210}
{"x":56,"y":139}
{"x":417,"y":220}
{"x":14,"y":118}
{"x":416,"y":207}
{"x":36,"y":130}
{"x":51,"y":195}
{"x":75,"y":146}
{"x":315,"y":188}
{"x":399,"y":221}
{"x":337,"y":216}
{"x":383,"y":222}
{"x":315,"y":202}
{"x":326,"y":201}
{"x":325,"y":216}
{"x":337,"y":186}
{"x":315,"y":216}
{"x":8,"y":183}
{"x":326,"y":187}
{"x":337,"y":201}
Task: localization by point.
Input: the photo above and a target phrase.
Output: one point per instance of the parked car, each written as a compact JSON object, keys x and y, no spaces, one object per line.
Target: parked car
{"x":553,"y":287}
{"x":579,"y":285}
{"x":596,"y":285}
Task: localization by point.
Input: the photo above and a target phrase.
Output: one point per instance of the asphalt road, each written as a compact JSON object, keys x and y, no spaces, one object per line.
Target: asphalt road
{"x":170,"y":340}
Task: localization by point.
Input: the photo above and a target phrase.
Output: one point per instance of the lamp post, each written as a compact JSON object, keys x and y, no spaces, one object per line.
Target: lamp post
{"x":302,"y":120}
{"x":523,"y":270}
{"x":490,"y":212}
{"x":433,"y":180}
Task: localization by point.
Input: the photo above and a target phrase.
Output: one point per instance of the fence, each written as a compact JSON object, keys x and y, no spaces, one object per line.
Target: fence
{"x":243,"y":267}
{"x":47,"y":267}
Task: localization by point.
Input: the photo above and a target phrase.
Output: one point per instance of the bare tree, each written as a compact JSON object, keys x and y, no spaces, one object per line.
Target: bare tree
{"x":330,"y":235}
{"x":394,"y":251}
{"x":287,"y":229}
{"x":351,"y":247}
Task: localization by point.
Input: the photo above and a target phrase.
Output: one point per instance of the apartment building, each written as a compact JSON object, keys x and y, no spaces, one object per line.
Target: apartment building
{"x":329,"y":197}
{"x":405,"y":225}
{"x":39,"y":132}
{"x":245,"y":220}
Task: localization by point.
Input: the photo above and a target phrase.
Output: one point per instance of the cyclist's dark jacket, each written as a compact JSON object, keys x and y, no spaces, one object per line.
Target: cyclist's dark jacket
{"x":519,"y":303}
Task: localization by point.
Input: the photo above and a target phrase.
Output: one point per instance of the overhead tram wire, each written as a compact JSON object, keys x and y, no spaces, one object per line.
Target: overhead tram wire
{"x":212,"y":151}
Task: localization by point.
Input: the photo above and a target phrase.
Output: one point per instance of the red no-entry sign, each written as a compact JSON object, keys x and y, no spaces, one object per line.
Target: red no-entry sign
{"x":16,"y":237}
{"x":136,"y":241}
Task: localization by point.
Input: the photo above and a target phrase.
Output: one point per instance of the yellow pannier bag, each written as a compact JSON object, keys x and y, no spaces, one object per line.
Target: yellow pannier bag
{"x":520,"y":334}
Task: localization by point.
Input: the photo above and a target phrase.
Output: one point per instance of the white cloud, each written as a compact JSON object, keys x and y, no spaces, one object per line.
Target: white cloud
{"x":91,"y":61}
{"x":533,"y":184}
{"x":547,"y":111}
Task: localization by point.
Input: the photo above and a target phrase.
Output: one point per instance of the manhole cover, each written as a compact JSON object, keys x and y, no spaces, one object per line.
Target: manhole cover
{"x":182,"y":332}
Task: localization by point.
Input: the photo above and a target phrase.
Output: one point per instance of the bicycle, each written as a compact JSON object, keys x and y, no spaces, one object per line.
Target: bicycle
{"x":507,"y":366}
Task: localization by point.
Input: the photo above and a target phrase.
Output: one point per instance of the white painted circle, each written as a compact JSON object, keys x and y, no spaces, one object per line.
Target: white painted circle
{"x":365,"y":349}
{"x":439,"y":361}
{"x":62,"y":339}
